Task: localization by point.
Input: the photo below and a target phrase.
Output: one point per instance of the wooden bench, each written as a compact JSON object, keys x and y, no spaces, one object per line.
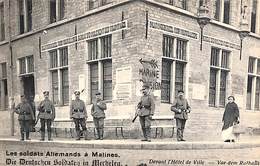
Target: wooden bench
{"x":159,"y":126}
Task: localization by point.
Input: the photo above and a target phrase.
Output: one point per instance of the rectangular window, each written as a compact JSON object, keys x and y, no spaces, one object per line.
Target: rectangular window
{"x":249,"y":92}
{"x":30,"y":63}
{"x":25,"y":15}
{"x":60,"y":75}
{"x":2,"y":22}
{"x":26,"y":65}
{"x":105,"y":46}
{"x":253,"y":15}
{"x":226,"y":18}
{"x":179,"y":77}
{"x":212,"y":87}
{"x":93,"y":49}
{"x":166,"y":80}
{"x":179,"y":3}
{"x":216,"y":6}
{"x":181,"y":49}
{"x":168,"y":46}
{"x":251,"y":65}
{"x":3,"y":87}
{"x":107,"y":80}
{"x":57,"y":10}
{"x":94,"y":79}
{"x":22,"y":63}
{"x":257,"y":93}
{"x":90,"y":4}
{"x":219,"y":68}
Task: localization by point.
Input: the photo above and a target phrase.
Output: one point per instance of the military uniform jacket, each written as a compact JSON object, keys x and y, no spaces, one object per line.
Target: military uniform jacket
{"x":146,"y":106}
{"x":180,"y":104}
{"x":25,"y":111}
{"x":98,"y":109}
{"x":78,"y":109}
{"x":46,"y":110}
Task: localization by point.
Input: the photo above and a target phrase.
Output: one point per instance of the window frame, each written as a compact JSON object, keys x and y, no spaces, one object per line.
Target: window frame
{"x":3,"y":86}
{"x":26,"y":70}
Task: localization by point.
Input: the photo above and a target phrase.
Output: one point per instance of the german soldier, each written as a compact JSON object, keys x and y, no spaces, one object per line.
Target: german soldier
{"x":46,"y":115}
{"x":25,"y":116}
{"x":79,"y":115}
{"x":97,"y":111}
{"x":181,"y":109}
{"x":145,"y":112}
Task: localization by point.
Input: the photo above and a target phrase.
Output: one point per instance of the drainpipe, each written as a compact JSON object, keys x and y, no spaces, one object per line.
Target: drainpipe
{"x":11,"y":106}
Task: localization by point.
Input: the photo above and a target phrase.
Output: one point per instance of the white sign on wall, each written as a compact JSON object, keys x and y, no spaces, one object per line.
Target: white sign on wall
{"x":123,"y":83}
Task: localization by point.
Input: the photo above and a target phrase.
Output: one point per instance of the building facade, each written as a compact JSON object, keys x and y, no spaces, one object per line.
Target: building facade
{"x":113,"y":46}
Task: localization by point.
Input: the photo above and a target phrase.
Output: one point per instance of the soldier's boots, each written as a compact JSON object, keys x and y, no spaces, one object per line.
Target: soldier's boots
{"x":98,"y":134}
{"x":148,"y":134}
{"x":85,"y":132}
{"x":27,"y":135}
{"x":144,"y":134}
{"x":49,"y":136}
{"x":78,"y":135}
{"x":42,"y":136}
{"x":22,"y":136}
{"x":101,"y":133}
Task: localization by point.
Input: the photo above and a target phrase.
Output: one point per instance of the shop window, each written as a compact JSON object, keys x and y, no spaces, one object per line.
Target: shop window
{"x":253,"y":84}
{"x":3,"y":87}
{"x":2,"y":22}
{"x":100,"y":59}
{"x":25,"y":15}
{"x":57,"y":10}
{"x":219,"y":70}
{"x":26,"y":65}
{"x":59,"y":76}
{"x":173,"y":67}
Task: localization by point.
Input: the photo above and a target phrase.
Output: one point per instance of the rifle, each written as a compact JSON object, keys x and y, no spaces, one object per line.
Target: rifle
{"x":136,"y":115}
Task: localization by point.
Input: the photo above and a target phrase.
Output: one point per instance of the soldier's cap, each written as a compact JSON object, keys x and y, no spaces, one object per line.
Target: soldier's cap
{"x":145,"y":86}
{"x":46,"y":92}
{"x":77,"y":92}
{"x":98,"y":93}
{"x":180,"y":91}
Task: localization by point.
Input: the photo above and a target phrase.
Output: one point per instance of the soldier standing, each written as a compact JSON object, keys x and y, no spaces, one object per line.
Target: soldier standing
{"x":79,"y":115}
{"x":46,"y":114}
{"x":97,"y":111}
{"x":181,"y":109}
{"x":25,"y":116}
{"x":145,"y":112}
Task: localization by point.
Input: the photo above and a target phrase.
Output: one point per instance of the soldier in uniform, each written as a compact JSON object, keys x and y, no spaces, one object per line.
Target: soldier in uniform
{"x":97,"y":111}
{"x":145,"y":112}
{"x":79,"y":115}
{"x":25,"y":116}
{"x":46,"y":115}
{"x":181,"y":109}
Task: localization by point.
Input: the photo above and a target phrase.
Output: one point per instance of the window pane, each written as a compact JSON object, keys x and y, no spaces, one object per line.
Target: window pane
{"x":30,"y":62}
{"x":222,"y":93}
{"x":21,"y":15}
{"x":105,"y":46}
{"x":55,"y":87}
{"x":53,"y":11}
{"x":216,"y":12}
{"x":93,"y":49}
{"x":168,"y":46}
{"x":257,"y":94}
{"x":179,"y":74}
{"x":251,"y":65}
{"x":166,"y":80}
{"x":62,"y":9}
{"x":90,"y":4}
{"x":253,"y":15}
{"x":93,"y":79}
{"x":258,"y":66}
{"x":214,"y":60}
{"x":63,"y":56}
{"x":4,"y":70}
{"x":53,"y":59}
{"x":29,"y":15}
{"x":2,"y":23}
{"x":212,"y":87}
{"x":107,"y":80}
{"x":181,"y":49}
{"x":65,"y":86}
{"x":22,"y":64}
{"x":249,"y":93}
{"x":226,"y":11}
{"x":5,"y":93}
{"x":224,"y":59}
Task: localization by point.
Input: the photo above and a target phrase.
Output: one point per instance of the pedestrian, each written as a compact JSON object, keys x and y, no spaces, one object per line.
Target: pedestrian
{"x":181,"y":108}
{"x":79,"y":115}
{"x":25,"y":116}
{"x":230,"y":118}
{"x":46,"y":115}
{"x":98,"y":113}
{"x":145,"y":112}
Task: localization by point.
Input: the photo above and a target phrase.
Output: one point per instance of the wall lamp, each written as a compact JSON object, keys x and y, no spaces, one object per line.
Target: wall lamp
{"x":203,"y":20}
